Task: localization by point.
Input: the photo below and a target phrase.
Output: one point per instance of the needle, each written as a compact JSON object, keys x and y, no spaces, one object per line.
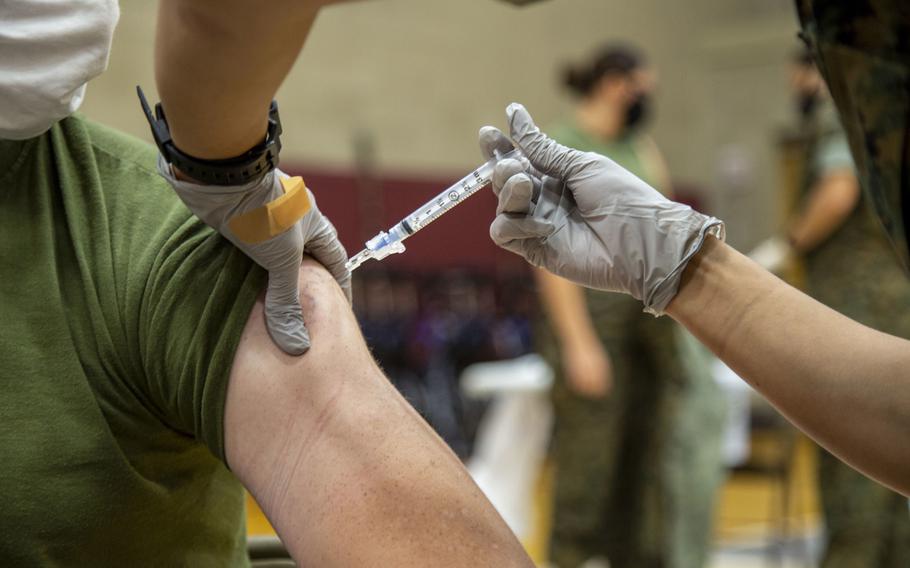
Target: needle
{"x":358,"y":259}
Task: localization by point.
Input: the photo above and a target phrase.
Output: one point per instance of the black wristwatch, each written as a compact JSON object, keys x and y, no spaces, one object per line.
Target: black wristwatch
{"x":249,"y":166}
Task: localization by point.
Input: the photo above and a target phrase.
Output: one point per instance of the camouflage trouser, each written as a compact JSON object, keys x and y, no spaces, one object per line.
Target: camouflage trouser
{"x":693,"y":461}
{"x":862,"y":48}
{"x":868,"y":525}
{"x":636,"y":472}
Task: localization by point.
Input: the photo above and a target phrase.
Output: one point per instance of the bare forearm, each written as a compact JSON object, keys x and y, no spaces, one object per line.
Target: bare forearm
{"x":566,"y":307}
{"x":218,"y":65}
{"x":844,"y":384}
{"x":830,"y":203}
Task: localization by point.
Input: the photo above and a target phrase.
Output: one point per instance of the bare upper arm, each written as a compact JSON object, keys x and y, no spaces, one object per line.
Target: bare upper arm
{"x":831,"y":201}
{"x":839,"y":189}
{"x":343,"y":467}
{"x":656,"y":165}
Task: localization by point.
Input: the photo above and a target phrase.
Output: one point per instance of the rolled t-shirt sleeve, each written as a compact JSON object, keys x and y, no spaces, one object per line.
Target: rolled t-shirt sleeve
{"x":198,"y":297}
{"x":833,"y":154}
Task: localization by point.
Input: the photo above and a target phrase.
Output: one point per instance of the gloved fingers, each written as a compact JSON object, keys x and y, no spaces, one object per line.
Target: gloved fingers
{"x":328,"y":251}
{"x":524,"y":236}
{"x":773,"y":254}
{"x":283,"y":316}
{"x":283,"y":251}
{"x":552,"y":199}
{"x":545,"y":154}
{"x":516,"y":195}
{"x":492,"y":140}
{"x":507,"y":229}
{"x":503,"y":171}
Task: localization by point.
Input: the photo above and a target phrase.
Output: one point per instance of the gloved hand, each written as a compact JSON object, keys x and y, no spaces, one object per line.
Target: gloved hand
{"x":773,"y":254}
{"x":583,"y":217}
{"x":221,"y":206}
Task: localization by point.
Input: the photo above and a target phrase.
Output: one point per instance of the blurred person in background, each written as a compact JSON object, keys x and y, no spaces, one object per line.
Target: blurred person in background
{"x":387,"y":312}
{"x":424,"y":331}
{"x":452,"y":332}
{"x":638,"y":461}
{"x":850,"y":267}
{"x":516,"y":311}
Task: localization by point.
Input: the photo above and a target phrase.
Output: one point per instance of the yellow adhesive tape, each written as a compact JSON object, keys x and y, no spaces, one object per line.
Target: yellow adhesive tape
{"x":275,"y":217}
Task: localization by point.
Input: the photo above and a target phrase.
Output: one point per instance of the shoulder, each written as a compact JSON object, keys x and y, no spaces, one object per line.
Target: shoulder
{"x":652,"y":163}
{"x":645,"y":145}
{"x":566,"y":133}
{"x":136,"y":200}
{"x":832,"y":152}
{"x":129,"y":151}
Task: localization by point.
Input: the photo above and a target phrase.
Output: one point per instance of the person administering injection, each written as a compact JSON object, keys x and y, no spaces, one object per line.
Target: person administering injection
{"x":601,"y":227}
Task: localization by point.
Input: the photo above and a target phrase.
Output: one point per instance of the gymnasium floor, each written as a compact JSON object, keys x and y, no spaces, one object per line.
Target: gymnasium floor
{"x":750,"y":520}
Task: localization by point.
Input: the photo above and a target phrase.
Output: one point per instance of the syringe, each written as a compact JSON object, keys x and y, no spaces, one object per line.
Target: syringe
{"x":391,"y":242}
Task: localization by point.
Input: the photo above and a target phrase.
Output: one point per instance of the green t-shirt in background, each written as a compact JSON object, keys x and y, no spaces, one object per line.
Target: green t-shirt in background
{"x":625,"y":150}
{"x":119,"y":316}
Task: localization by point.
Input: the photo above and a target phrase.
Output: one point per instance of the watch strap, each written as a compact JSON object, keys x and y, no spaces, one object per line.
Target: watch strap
{"x":247,"y":167}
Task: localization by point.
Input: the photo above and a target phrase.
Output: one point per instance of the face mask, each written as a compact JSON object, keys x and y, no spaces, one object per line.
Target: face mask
{"x":806,"y":105}
{"x":50,"y":51}
{"x":866,"y":63}
{"x":637,"y":112}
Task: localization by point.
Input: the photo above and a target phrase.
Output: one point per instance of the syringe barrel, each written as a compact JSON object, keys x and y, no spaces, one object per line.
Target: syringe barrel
{"x":455,"y":194}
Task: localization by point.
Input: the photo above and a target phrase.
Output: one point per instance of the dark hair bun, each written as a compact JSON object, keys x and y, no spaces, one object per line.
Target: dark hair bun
{"x":580,"y":82}
{"x":804,"y":57}
{"x":613,"y":59}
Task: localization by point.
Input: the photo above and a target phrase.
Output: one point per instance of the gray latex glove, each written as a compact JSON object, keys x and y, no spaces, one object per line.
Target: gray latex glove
{"x":583,"y":217}
{"x":281,"y":255}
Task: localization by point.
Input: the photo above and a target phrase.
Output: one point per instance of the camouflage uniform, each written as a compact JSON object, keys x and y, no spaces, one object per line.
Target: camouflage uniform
{"x":637,"y":471}
{"x":862,"y":48}
{"x":856,"y":273}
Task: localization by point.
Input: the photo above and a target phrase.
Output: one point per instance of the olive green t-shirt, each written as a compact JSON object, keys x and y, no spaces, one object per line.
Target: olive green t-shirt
{"x":625,"y":150}
{"x":119,"y":316}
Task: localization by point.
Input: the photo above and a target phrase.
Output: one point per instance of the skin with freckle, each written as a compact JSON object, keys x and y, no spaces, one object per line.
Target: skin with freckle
{"x":344,"y":468}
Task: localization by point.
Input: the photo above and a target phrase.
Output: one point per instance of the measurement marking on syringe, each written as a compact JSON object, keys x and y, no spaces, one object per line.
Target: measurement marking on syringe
{"x":385,"y":244}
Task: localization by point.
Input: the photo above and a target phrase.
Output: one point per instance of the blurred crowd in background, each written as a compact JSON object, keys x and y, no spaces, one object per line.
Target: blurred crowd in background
{"x":425,"y":329}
